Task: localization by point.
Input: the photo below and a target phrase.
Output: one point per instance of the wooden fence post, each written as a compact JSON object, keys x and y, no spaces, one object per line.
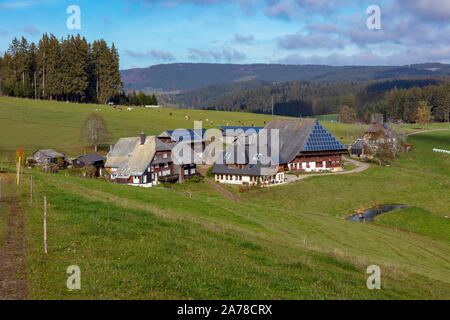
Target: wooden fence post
{"x":45,"y":224}
{"x":31,"y":190}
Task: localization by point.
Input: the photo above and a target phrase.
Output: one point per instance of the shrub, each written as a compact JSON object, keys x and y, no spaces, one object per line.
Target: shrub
{"x":76,"y":172}
{"x":244,"y":188}
{"x":209,"y":173}
{"x":90,"y":171}
{"x":195,"y":179}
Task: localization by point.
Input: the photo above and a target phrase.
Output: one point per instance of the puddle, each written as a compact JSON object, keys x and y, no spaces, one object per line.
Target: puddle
{"x":369,"y":214}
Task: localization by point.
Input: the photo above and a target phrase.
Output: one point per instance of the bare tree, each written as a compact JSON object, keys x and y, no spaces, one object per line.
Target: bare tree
{"x":383,"y":147}
{"x":424,"y":115}
{"x":347,"y":114}
{"x":95,"y":130}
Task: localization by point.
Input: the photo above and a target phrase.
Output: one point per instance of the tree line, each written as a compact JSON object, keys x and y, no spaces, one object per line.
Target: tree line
{"x":397,"y":100}
{"x":66,"y":69}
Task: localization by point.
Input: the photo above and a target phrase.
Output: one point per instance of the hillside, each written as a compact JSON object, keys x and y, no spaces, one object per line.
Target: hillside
{"x":189,"y":76}
{"x":189,"y":242}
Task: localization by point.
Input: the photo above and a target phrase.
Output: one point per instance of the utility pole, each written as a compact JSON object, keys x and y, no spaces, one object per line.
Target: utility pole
{"x":45,"y":225}
{"x":31,"y":190}
{"x":272,"y":106}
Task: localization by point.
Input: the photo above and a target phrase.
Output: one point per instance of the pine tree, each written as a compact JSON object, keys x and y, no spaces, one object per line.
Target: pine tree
{"x":42,"y":63}
{"x":53,"y":76}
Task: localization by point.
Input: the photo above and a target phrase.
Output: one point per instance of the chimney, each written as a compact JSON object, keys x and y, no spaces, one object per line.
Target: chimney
{"x":142,"y":137}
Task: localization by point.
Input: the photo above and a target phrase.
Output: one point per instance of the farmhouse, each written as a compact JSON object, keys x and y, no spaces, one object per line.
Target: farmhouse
{"x":378,"y":133}
{"x":284,"y":145}
{"x":147,"y":161}
{"x":93,"y":159}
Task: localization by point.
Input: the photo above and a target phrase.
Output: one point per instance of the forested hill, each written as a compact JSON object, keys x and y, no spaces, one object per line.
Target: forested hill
{"x":397,"y":99}
{"x":190,"y":76}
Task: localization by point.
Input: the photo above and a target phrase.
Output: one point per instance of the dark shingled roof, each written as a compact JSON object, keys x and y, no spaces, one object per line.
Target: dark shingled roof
{"x":379,"y":127}
{"x":293,"y":134}
{"x":90,"y":158}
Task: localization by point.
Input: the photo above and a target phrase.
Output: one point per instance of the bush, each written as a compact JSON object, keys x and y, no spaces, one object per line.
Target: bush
{"x":31,"y":163}
{"x":76,"y":172}
{"x":244,"y":189}
{"x":90,"y":171}
{"x":195,"y":179}
{"x":209,"y":173}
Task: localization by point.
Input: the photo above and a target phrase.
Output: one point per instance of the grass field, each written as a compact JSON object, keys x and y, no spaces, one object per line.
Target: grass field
{"x":188,"y":241}
{"x":57,"y":125}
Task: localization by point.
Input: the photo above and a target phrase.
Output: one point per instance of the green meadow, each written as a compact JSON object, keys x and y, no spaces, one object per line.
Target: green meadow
{"x":190,"y":242}
{"x":57,"y":125}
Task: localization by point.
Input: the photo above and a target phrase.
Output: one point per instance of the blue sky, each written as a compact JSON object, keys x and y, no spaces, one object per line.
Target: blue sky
{"x":149,"y":32}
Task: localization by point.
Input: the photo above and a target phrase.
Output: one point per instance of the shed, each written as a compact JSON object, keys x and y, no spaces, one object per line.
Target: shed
{"x":93,"y":159}
{"x":48,"y":156}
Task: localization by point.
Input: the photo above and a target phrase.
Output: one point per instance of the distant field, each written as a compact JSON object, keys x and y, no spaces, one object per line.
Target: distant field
{"x":57,"y":125}
{"x":329,"y":117}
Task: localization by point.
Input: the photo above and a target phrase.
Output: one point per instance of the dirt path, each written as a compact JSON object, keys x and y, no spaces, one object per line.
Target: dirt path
{"x":12,"y":252}
{"x":422,"y":131}
{"x":227,"y":194}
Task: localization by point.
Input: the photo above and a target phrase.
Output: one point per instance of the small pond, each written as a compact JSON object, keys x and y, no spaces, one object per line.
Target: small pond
{"x":369,"y":214}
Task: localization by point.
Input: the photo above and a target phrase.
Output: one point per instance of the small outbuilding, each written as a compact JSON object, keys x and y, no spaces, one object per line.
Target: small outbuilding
{"x":48,"y":156}
{"x":93,"y":159}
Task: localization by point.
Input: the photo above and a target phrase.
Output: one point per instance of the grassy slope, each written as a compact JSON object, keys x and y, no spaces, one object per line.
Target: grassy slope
{"x":190,"y":242}
{"x":170,"y":243}
{"x":160,"y":243}
{"x":417,"y":220}
{"x":57,"y":125}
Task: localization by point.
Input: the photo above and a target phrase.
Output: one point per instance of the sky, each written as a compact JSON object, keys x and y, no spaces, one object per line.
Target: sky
{"x":149,"y":32}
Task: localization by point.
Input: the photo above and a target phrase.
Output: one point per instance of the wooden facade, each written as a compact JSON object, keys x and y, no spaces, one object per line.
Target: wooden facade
{"x":316,"y":161}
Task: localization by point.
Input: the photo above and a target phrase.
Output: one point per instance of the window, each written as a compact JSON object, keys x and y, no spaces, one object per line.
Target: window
{"x":186,"y":172}
{"x":157,"y":166}
{"x":193,"y":171}
{"x":166,"y":165}
{"x":165,"y":155}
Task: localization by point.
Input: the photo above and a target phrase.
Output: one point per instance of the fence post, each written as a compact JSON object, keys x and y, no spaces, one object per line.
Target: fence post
{"x":31,"y":190}
{"x":45,"y":224}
